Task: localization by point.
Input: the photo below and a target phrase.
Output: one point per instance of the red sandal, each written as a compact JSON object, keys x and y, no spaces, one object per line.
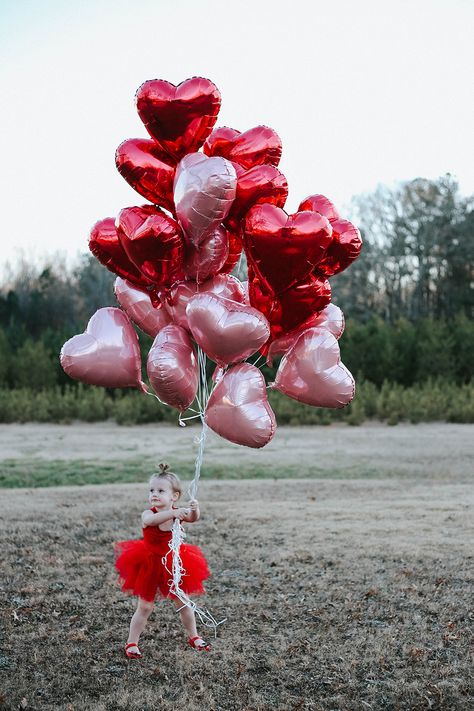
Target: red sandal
{"x":132,"y":655}
{"x":204,"y":647}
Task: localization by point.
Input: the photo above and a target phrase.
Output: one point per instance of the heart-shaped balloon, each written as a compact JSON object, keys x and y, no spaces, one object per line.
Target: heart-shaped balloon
{"x":177,"y":298}
{"x":153,"y":242}
{"x":312,"y":372}
{"x":227,"y":331}
{"x":256,"y":146}
{"x":344,"y":249}
{"x":321,"y":204}
{"x":290,"y":308}
{"x":331,"y":318}
{"x":148,"y":169}
{"x":263,"y":183}
{"x":284,"y":249}
{"x":172,"y":367}
{"x":238,"y":408}
{"x":137,"y":304}
{"x":105,"y":245}
{"x":106,"y":354}
{"x":235,"y":247}
{"x":179,"y":117}
{"x":208,"y":259}
{"x":204,"y":190}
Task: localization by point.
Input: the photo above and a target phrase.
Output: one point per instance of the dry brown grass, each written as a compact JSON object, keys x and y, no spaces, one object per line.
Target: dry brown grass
{"x":340,"y":595}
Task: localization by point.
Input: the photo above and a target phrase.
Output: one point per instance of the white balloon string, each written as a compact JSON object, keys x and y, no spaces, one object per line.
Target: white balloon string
{"x":257,"y":360}
{"x":178,"y":535}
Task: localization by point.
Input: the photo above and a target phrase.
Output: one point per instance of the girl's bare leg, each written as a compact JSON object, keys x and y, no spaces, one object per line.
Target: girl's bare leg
{"x":188,"y":619}
{"x":138,"y":622}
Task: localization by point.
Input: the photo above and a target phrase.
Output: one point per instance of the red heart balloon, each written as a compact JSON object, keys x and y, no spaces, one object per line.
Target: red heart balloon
{"x":256,"y":146}
{"x":153,"y":241}
{"x":172,"y":367}
{"x":106,"y":354}
{"x":148,"y":169}
{"x":292,"y":307}
{"x":312,"y":372}
{"x":331,"y":318}
{"x":261,"y":184}
{"x":235,"y":250}
{"x":224,"y":285}
{"x":345,"y":247}
{"x":321,"y":204}
{"x":284,"y":249}
{"x":208,"y":259}
{"x":139,"y":307}
{"x":227,"y":331}
{"x":179,"y":117}
{"x":105,"y":245}
{"x":238,"y":408}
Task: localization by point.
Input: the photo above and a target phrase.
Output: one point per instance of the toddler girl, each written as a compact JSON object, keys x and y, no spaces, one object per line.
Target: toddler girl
{"x":144,"y":564}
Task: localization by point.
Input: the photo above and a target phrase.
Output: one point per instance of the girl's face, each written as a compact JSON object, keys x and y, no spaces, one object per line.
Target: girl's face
{"x":161,"y":494}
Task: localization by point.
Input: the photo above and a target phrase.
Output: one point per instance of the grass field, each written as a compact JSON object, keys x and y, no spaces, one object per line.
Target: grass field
{"x":347,"y":590}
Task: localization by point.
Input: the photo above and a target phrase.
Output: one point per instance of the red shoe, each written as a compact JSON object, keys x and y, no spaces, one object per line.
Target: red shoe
{"x":203,"y":647}
{"x":132,"y":655}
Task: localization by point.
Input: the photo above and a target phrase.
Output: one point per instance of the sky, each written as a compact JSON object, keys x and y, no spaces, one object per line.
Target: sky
{"x":361,"y":93}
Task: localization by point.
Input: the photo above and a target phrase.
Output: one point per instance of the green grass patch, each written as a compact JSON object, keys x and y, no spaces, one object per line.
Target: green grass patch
{"x":32,"y":473}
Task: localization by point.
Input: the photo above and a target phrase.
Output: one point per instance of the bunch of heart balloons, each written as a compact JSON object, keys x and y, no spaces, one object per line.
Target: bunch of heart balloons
{"x":173,"y":257}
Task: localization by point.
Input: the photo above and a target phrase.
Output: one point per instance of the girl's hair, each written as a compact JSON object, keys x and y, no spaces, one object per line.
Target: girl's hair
{"x":166,"y":473}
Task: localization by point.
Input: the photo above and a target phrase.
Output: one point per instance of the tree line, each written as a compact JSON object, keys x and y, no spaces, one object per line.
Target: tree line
{"x":408,"y":299}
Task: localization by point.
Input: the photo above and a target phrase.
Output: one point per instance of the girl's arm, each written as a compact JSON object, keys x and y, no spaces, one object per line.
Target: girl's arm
{"x":154,"y":519}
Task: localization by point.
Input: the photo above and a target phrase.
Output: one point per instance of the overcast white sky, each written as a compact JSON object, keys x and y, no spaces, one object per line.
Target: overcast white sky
{"x":361,"y":92}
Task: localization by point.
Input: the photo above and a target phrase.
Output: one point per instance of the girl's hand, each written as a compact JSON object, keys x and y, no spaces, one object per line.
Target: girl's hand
{"x":194,"y":504}
{"x":181,"y":513}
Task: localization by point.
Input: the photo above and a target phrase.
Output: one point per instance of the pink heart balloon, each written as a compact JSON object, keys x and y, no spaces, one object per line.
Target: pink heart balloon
{"x":238,"y":408}
{"x":138,"y":306}
{"x":227,"y":331}
{"x":312,"y":371}
{"x":224,"y":285}
{"x":204,"y":190}
{"x":172,"y":367}
{"x":205,"y":261}
{"x":106,"y":354}
{"x":330,"y":318}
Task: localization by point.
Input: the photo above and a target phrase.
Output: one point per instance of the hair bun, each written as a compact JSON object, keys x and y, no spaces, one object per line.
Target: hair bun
{"x":164,"y":467}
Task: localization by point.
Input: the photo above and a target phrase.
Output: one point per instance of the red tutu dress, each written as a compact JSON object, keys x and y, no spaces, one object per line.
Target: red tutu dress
{"x":143,"y":572}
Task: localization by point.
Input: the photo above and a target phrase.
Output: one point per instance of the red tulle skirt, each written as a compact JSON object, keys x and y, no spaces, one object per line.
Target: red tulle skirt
{"x":143,"y":573}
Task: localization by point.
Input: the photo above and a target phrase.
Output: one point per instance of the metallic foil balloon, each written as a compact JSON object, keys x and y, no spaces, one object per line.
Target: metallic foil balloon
{"x":172,"y":367}
{"x":257,"y":146}
{"x":209,"y":258}
{"x":107,"y":354}
{"x":312,"y":372}
{"x":331,"y":318}
{"x":204,"y":190}
{"x":238,"y":408}
{"x":177,"y":299}
{"x":263,"y":183}
{"x":154,"y":243}
{"x":105,"y":245}
{"x":179,"y":117}
{"x":148,"y":169}
{"x":284,"y":249}
{"x":345,"y":247}
{"x":235,"y":247}
{"x":290,"y":308}
{"x":321,"y":204}
{"x":137,"y":304}
{"x":227,"y":331}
